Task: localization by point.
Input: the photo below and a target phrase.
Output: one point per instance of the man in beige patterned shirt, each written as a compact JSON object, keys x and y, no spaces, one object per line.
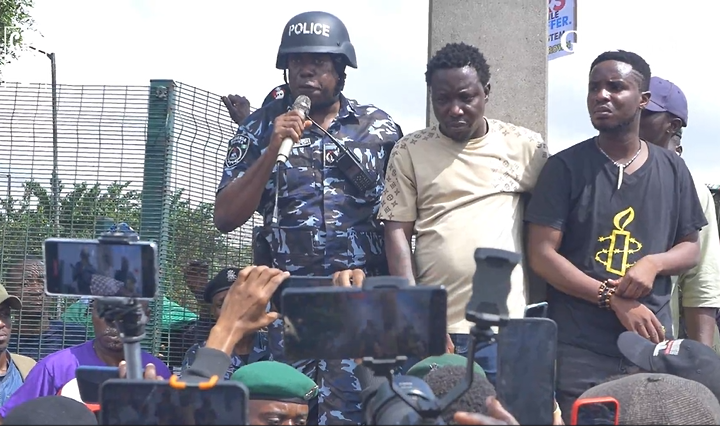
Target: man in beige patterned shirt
{"x":458,"y":186}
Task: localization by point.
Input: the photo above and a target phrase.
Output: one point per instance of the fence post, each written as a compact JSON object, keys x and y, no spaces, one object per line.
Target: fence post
{"x":156,"y":190}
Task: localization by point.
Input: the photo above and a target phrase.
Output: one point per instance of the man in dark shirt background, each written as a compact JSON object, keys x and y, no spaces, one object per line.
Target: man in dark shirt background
{"x":83,"y":272}
{"x":195,"y":276}
{"x":610,"y":221}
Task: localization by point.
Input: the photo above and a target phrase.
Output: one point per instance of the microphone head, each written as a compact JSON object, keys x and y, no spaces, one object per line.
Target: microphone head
{"x":302,"y":105}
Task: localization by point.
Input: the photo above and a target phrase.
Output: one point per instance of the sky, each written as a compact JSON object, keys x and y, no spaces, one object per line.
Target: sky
{"x":226,"y":48}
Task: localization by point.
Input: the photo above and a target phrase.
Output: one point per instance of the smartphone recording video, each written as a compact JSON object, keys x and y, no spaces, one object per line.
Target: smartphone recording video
{"x":349,"y":323}
{"x":596,"y":411}
{"x":88,"y":268}
{"x":143,"y":402}
{"x":527,"y":350}
{"x":298,"y":282}
{"x":90,"y":379}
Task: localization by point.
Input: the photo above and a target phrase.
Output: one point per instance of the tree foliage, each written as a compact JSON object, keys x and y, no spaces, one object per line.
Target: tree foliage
{"x":15,"y":20}
{"x":26,"y":222}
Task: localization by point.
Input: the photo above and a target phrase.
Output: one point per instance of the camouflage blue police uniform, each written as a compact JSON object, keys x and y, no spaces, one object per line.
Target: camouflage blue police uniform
{"x":325,"y":223}
{"x":260,"y":352}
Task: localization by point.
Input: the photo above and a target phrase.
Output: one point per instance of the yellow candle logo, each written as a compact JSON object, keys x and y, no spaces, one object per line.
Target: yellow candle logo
{"x":621,"y":244}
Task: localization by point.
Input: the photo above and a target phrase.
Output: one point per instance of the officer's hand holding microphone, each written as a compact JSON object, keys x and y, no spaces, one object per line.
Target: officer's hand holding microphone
{"x":291,"y":125}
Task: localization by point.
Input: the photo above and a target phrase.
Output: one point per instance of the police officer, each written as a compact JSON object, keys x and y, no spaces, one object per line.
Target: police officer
{"x":326,"y":222}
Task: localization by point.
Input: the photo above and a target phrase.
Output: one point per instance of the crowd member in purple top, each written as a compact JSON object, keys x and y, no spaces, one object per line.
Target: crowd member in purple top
{"x":54,"y":371}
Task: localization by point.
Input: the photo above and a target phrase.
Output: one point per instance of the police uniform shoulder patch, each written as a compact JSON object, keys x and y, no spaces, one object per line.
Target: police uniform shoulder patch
{"x":278,"y":93}
{"x":237,"y":150}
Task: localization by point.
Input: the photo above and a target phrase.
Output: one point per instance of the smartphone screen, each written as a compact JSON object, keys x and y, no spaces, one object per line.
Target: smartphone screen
{"x":526,"y":354}
{"x":90,"y":379}
{"x":597,"y":412}
{"x":91,"y":269}
{"x":298,"y":282}
{"x":348,"y":323}
{"x":126,"y":402}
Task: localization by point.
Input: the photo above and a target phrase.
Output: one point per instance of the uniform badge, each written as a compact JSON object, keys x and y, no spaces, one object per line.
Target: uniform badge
{"x":231,"y":277}
{"x":330,"y":156}
{"x":278,"y":93}
{"x":311,"y":393}
{"x":303,"y":143}
{"x":237,"y":151}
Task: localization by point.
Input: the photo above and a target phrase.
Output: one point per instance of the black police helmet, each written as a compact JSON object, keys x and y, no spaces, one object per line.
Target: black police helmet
{"x":316,"y":32}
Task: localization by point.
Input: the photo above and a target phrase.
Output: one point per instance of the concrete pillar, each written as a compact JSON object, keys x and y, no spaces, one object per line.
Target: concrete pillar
{"x":512,"y":34}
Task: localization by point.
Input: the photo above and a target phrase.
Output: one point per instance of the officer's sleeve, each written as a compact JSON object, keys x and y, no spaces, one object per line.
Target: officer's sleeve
{"x":243,"y":150}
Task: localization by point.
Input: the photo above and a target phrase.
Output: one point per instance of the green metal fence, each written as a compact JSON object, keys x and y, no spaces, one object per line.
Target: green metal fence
{"x":150,"y":156}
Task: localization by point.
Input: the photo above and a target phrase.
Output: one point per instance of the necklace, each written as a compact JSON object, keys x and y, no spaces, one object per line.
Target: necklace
{"x":621,"y":167}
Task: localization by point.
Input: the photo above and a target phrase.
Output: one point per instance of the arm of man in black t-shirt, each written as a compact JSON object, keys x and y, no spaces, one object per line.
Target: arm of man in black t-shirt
{"x":547,"y":215}
{"x":685,"y":252}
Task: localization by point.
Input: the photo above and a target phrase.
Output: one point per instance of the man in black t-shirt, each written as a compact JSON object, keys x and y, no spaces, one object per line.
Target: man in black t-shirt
{"x":610,"y":221}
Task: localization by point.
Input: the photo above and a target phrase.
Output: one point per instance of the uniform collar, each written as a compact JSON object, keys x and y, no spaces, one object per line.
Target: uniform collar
{"x":347,"y":108}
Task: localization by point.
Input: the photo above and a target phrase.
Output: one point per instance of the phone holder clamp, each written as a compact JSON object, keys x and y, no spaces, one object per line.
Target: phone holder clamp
{"x":175,"y":383}
{"x":126,"y":314}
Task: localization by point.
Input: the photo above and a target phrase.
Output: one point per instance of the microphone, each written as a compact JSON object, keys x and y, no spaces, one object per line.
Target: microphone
{"x":301,"y":105}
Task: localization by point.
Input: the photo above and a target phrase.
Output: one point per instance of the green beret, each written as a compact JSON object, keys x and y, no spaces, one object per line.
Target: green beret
{"x":276,"y":381}
{"x":422,"y":368}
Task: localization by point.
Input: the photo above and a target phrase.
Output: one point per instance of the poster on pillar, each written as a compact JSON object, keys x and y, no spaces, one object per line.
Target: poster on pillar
{"x":562,"y":28}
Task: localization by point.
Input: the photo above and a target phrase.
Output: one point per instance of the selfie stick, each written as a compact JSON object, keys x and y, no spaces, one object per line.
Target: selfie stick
{"x":428,"y":410}
{"x":126,"y":314}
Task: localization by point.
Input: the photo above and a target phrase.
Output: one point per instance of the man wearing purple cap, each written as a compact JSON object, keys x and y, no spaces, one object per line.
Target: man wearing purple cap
{"x":661,"y":123}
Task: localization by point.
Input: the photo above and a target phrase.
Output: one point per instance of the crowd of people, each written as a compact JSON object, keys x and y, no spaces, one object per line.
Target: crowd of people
{"x":613,"y":228}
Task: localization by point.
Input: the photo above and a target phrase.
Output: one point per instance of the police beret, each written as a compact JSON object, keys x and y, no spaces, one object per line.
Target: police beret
{"x":276,"y":381}
{"x":222,"y":281}
{"x":422,"y":368}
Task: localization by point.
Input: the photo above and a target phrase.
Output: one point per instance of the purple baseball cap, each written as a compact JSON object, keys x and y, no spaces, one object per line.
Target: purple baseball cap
{"x":667,"y":97}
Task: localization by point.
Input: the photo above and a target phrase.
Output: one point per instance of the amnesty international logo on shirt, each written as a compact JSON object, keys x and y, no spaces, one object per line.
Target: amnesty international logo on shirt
{"x":619,"y":248}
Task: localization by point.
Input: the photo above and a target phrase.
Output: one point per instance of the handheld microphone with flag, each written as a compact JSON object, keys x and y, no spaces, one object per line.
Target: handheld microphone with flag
{"x":301,"y":105}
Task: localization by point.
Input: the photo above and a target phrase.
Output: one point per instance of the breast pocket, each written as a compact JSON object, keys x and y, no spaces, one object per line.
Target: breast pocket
{"x":298,"y":180}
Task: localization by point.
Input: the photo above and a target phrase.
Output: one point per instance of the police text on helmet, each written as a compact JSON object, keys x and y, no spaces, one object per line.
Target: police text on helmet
{"x":309,"y":28}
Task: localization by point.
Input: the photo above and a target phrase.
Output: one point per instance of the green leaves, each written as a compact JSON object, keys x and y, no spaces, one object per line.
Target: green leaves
{"x":15,"y":20}
{"x":191,"y":234}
